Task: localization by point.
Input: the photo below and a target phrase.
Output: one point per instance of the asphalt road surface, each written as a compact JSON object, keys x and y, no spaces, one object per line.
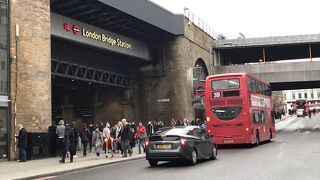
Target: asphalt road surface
{"x":293,"y":154}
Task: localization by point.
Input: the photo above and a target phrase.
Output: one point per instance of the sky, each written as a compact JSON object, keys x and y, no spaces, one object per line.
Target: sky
{"x":253,"y":18}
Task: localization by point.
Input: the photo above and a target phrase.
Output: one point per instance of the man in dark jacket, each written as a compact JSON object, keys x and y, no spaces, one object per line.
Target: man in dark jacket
{"x":125,"y":136}
{"x":70,"y":139}
{"x":85,"y":138}
{"x":22,"y":143}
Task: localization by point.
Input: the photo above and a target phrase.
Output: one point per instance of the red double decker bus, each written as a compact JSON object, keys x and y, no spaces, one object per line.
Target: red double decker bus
{"x":239,"y":109}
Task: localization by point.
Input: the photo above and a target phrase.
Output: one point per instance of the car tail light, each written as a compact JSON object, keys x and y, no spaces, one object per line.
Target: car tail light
{"x":183,"y":141}
{"x":147,"y":143}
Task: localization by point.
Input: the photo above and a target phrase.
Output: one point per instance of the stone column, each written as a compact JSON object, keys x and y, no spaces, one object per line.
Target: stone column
{"x":30,"y":55}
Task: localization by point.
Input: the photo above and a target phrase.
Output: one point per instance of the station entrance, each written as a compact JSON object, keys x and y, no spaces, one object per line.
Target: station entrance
{"x":88,"y":84}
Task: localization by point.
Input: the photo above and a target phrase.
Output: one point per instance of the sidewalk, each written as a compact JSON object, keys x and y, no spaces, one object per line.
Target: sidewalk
{"x":51,"y":166}
{"x":283,"y":118}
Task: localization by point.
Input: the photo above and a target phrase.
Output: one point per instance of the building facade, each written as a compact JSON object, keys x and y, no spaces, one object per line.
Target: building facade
{"x":311,"y":95}
{"x":4,"y":89}
{"x":96,"y":61}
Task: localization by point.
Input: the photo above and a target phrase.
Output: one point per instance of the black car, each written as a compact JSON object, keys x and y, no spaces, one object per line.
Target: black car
{"x":180,"y":143}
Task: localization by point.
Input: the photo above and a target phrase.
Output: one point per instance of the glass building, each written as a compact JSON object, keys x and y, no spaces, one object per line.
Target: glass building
{"x":3,"y":79}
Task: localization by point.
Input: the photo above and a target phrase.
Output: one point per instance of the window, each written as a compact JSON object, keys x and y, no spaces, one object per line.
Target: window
{"x":259,"y":87}
{"x":293,"y":96}
{"x":305,"y":95}
{"x":258,"y":116}
{"x":285,"y":96}
{"x":225,"y":84}
{"x":299,"y":94}
{"x":312,"y":95}
{"x":3,"y":47}
{"x":226,"y":113}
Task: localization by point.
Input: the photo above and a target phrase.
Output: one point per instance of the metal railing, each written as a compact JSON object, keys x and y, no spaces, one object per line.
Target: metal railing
{"x":200,"y":23}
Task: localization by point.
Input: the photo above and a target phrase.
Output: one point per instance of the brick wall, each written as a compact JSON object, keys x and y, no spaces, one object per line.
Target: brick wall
{"x":31,"y":86}
{"x":175,"y":84}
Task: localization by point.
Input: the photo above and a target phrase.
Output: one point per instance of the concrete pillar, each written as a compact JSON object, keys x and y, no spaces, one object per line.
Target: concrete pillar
{"x":30,"y":55}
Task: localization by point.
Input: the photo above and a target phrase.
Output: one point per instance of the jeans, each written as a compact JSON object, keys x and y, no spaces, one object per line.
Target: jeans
{"x":60,"y":146}
{"x":85,"y":144}
{"x":22,"y":154}
{"x":140,"y":143}
{"x":126,"y":147}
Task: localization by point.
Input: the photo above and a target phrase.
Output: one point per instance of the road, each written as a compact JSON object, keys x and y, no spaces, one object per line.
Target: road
{"x":293,"y":154}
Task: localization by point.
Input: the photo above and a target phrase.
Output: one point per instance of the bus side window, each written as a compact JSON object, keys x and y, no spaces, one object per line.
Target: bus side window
{"x":256,"y":118}
{"x":255,"y":86}
{"x":262,"y":121}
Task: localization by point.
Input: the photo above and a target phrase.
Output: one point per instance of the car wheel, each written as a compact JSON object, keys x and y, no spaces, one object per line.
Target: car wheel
{"x":194,"y":157}
{"x":214,"y":152}
{"x":153,"y":163}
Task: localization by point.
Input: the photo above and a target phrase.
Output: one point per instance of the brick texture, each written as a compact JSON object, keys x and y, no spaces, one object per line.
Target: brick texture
{"x":30,"y":57}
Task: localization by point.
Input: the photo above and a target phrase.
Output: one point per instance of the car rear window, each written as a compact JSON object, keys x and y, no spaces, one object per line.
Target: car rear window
{"x":171,"y":131}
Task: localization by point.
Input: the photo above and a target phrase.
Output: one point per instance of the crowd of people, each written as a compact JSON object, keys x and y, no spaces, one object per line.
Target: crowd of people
{"x":117,"y":139}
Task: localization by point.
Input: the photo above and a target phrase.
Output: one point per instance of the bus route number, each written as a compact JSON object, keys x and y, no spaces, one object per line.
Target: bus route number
{"x":216,"y":95}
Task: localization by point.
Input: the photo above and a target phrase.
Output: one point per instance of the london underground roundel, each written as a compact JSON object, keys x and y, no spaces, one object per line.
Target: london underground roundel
{"x":76,"y":29}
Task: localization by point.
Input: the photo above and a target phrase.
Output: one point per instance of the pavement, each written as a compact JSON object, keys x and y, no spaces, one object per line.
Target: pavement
{"x":286,"y":116}
{"x":50,"y":166}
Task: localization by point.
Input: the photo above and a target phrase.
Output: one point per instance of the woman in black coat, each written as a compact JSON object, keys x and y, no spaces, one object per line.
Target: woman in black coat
{"x":70,"y":138}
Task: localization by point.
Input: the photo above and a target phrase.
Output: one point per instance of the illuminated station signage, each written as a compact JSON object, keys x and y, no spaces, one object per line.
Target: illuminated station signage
{"x":110,"y":40}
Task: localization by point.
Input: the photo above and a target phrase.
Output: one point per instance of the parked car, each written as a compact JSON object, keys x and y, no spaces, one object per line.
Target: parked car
{"x":180,"y":143}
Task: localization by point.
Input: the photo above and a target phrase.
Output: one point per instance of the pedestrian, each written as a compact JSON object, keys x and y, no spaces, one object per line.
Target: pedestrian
{"x":113,"y":135}
{"x":85,"y":138}
{"x":101,"y":127}
{"x":141,"y":135}
{"x":314,"y":111}
{"x":22,"y":143}
{"x":185,"y":122}
{"x":91,"y":129}
{"x":173,"y":122}
{"x":60,"y":132}
{"x":108,"y":140}
{"x":150,"y":129}
{"x":125,"y":135}
{"x":155,"y":126}
{"x":118,"y":134}
{"x":132,"y":135}
{"x":160,"y":124}
{"x":97,"y":141}
{"x":70,"y":140}
{"x":203,"y":125}
{"x":309,"y":113}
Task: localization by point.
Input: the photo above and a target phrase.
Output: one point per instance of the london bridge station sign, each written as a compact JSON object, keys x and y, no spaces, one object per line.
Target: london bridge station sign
{"x":77,"y":31}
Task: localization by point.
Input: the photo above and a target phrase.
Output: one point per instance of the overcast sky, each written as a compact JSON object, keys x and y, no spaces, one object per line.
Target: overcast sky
{"x":254,"y":18}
